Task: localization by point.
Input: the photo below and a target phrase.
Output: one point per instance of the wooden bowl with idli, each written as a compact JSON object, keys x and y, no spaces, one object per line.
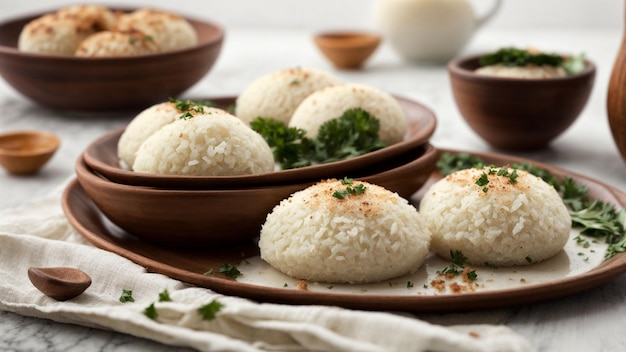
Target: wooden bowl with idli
{"x":96,"y":83}
{"x":102,"y":156}
{"x":512,"y":113}
{"x":209,"y":217}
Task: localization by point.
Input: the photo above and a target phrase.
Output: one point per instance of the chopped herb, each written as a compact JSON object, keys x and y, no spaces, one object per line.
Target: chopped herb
{"x":285,"y":284}
{"x":471,"y":275}
{"x":186,"y":116}
{"x":164,"y":296}
{"x":209,"y":272}
{"x":425,"y":286}
{"x":341,"y":194}
{"x":210,"y":310}
{"x":229,"y":270}
{"x":347,"y":181}
{"x":132,"y":40}
{"x":458,"y":258}
{"x":151,"y":312}
{"x":529,"y":260}
{"x":330,"y":287}
{"x":295,"y":81}
{"x":127,"y":296}
{"x":449,"y":163}
{"x":520,"y":57}
{"x":409,"y":284}
{"x":350,"y":190}
{"x":353,"y":133}
{"x":457,"y":267}
{"x":147,"y":38}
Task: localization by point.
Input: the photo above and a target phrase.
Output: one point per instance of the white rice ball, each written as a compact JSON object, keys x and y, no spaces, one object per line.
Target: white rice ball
{"x":117,"y":44}
{"x":278,"y":94}
{"x":501,"y":223}
{"x":63,"y":31}
{"x":146,"y":123}
{"x":331,"y":102}
{"x":169,"y":30}
{"x":213,"y":144}
{"x":101,"y":17}
{"x":368,"y":237}
{"x":54,"y":34}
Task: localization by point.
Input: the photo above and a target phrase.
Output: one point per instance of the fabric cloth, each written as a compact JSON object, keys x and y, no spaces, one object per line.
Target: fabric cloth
{"x":38,"y":235}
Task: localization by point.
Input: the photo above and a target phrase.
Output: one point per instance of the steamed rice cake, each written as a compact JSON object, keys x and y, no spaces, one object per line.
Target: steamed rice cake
{"x":63,"y":31}
{"x":495,"y":220}
{"x":213,"y":143}
{"x":149,"y":121}
{"x":117,"y":44}
{"x":368,"y":237}
{"x":170,"y":31}
{"x":278,"y":94}
{"x":331,"y":102}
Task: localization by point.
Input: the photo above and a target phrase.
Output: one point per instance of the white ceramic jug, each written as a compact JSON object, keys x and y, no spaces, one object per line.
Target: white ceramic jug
{"x":429,"y":30}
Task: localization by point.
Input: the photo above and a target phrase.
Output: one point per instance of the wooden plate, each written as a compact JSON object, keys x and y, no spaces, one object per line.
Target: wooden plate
{"x":567,"y":273}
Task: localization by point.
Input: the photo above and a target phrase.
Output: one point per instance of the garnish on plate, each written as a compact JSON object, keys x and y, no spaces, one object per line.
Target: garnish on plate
{"x":352,"y":134}
{"x":127,"y":296}
{"x":511,"y":56}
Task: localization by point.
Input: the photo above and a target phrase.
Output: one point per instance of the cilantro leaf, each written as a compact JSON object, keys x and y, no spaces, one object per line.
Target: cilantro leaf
{"x":210,"y":310}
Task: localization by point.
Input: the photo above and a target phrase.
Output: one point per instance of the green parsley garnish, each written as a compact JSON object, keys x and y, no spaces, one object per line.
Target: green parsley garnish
{"x":595,"y":218}
{"x":458,"y":266}
{"x":409,"y":284}
{"x":164,"y":296}
{"x":209,"y":272}
{"x":127,"y":296}
{"x":352,"y":134}
{"x":350,"y":190}
{"x":229,"y":270}
{"x":151,"y":312}
{"x":529,"y":260}
{"x":449,"y":163}
{"x":210,"y":310}
{"x":519,"y":57}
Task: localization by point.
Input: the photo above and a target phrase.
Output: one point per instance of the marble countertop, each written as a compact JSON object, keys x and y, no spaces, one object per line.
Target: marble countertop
{"x":588,"y":321}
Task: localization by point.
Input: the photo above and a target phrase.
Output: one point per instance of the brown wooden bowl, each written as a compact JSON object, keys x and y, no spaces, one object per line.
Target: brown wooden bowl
{"x":94,"y":84}
{"x":228,"y":216}
{"x":518,"y":114}
{"x":347,"y":49}
{"x":102,"y":156}
{"x":25,"y":152}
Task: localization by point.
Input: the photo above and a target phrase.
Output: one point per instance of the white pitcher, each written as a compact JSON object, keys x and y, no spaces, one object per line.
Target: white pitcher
{"x":429,"y":30}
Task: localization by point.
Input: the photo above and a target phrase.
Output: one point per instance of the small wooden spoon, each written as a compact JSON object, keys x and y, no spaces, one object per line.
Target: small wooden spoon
{"x":60,"y":283}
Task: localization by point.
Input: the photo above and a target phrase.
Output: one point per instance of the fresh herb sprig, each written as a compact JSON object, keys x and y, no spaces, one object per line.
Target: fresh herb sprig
{"x":595,"y":218}
{"x":352,"y":134}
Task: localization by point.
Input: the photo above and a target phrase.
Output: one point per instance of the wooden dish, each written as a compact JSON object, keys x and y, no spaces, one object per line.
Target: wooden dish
{"x":101,"y":155}
{"x":26,"y":152}
{"x":93,"y":84}
{"x":60,"y":283}
{"x":347,"y":50}
{"x":518,"y":114}
{"x":191,"y":265}
{"x":208,"y":218}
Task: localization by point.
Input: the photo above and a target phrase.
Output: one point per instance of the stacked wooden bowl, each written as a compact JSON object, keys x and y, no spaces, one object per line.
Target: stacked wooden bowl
{"x":216,"y":210}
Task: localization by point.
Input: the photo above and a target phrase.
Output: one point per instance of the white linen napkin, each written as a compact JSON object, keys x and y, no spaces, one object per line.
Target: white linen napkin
{"x":38,"y":235}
